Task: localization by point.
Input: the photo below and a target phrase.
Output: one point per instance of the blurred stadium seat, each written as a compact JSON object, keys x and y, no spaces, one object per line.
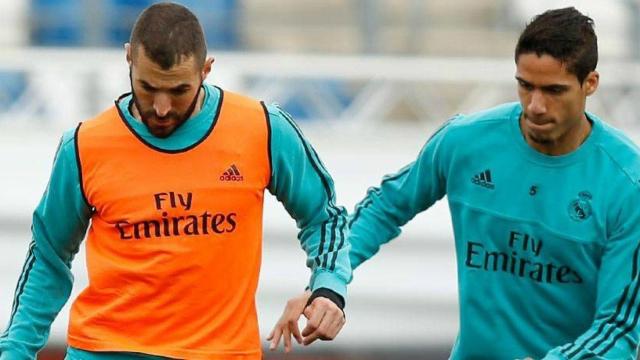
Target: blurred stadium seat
{"x":109,"y":22}
{"x":120,"y":16}
{"x":220,"y":20}
{"x":57,"y":22}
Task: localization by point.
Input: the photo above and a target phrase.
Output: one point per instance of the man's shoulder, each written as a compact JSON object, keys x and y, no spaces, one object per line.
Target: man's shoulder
{"x":500,"y":113}
{"x":613,"y":137}
{"x":102,"y":122}
{"x":68,"y":136}
{"x":274,"y":110}
{"x":67,"y":145}
{"x":279,"y":119}
{"x":494,"y":121}
{"x":237,"y":100}
{"x":621,"y":151}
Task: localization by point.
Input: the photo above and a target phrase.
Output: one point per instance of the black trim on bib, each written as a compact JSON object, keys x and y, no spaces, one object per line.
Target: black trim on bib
{"x":268,"y":119}
{"x":176,"y":151}
{"x":79,"y":164}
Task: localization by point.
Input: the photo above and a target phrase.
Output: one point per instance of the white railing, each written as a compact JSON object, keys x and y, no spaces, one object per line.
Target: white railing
{"x":66,"y":86}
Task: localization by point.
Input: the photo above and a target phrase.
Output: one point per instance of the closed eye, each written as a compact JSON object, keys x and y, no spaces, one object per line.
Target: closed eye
{"x":179,"y":91}
{"x":148,"y":87}
{"x":555,"y":89}
{"x":525,"y":85}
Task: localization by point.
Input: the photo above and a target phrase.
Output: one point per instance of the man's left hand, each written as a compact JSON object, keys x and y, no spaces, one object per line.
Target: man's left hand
{"x":324,"y":320}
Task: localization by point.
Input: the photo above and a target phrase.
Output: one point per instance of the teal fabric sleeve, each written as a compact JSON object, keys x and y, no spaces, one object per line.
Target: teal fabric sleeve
{"x":59,"y":225}
{"x":77,"y":354}
{"x":61,"y":220}
{"x":378,"y":217}
{"x":301,"y":183}
{"x":574,"y":298}
{"x":614,"y":333}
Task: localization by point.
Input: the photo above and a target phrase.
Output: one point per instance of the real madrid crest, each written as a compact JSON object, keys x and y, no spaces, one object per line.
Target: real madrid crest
{"x":580,"y":208}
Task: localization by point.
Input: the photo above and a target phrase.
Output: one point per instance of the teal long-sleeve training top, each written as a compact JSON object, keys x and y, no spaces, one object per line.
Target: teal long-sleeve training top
{"x":299,"y":181}
{"x":547,"y":246}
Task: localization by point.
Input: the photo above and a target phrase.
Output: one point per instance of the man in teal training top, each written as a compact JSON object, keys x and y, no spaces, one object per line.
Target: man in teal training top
{"x":544,"y":199}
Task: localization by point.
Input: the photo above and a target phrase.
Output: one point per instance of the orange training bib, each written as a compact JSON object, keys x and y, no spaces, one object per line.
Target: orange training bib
{"x":174,"y":246}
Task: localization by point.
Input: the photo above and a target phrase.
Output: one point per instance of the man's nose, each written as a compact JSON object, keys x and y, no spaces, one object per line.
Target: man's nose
{"x":162,"y":104}
{"x":537,"y":105}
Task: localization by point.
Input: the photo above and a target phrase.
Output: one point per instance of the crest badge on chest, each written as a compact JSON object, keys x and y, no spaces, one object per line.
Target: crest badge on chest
{"x":580,"y":208}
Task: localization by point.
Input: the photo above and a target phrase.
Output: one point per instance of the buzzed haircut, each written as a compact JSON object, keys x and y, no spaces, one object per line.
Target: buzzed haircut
{"x":168,"y":32}
{"x":565,"y":34}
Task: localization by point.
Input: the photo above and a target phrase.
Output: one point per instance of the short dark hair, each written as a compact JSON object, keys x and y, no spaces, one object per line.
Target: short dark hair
{"x":167,"y":32}
{"x":565,"y":34}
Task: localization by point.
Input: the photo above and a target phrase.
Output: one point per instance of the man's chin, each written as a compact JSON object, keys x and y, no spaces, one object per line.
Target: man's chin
{"x":162,"y":133}
{"x":542,"y":139}
{"x":161,"y":129}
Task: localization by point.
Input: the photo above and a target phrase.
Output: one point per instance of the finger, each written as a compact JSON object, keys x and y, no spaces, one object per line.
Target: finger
{"x":312,"y":331}
{"x":271,"y":334}
{"x":308,"y":311}
{"x":311,"y":338}
{"x":314,"y":316}
{"x":320,"y":333}
{"x":329,"y":327}
{"x":337,"y":325}
{"x":331,"y":324}
{"x":326,"y":328}
{"x":287,"y":340}
{"x":276,"y":338}
{"x":295,"y":330}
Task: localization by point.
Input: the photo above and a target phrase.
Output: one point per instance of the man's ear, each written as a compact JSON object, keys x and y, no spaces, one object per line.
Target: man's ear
{"x":206,"y":69}
{"x":591,"y":82}
{"x":127,"y":49}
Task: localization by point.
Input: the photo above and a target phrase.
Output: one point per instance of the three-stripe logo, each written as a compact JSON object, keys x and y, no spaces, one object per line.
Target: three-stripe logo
{"x":232,"y":174}
{"x":483,"y":179}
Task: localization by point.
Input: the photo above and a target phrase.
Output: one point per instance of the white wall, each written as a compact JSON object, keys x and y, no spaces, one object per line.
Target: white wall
{"x":14,"y":19}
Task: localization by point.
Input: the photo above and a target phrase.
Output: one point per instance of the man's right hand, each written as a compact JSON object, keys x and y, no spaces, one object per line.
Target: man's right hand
{"x":287,"y":325}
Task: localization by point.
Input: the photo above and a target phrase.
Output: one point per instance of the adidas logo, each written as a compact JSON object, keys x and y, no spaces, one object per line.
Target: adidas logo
{"x":483,"y":179}
{"x":232,"y":174}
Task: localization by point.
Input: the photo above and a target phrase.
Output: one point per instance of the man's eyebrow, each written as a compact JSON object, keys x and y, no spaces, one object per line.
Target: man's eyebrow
{"x":146,"y":84}
{"x":181,"y":87}
{"x":555,"y":87}
{"x":177,"y":87}
{"x":545,"y":87}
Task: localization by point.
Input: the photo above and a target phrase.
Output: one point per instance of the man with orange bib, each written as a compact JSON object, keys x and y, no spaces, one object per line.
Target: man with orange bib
{"x":169,"y":183}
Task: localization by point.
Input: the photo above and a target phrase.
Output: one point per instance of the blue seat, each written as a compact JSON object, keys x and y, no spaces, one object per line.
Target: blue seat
{"x":64,"y":22}
{"x":120,"y":15}
{"x":219,"y":20}
{"x":57,"y":22}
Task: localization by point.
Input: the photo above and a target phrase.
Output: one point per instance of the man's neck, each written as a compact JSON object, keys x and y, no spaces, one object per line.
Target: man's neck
{"x":567,"y":143}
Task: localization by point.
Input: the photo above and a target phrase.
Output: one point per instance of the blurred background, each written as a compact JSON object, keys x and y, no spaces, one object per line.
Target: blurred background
{"x":367,"y":80}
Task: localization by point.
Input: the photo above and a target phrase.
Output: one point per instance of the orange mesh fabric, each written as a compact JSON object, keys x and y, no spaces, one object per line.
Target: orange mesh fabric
{"x":174,"y":246}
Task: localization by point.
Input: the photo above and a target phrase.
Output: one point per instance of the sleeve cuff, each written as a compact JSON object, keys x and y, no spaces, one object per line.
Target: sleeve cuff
{"x":330,"y":281}
{"x":553,"y":355}
{"x":329,"y":294}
